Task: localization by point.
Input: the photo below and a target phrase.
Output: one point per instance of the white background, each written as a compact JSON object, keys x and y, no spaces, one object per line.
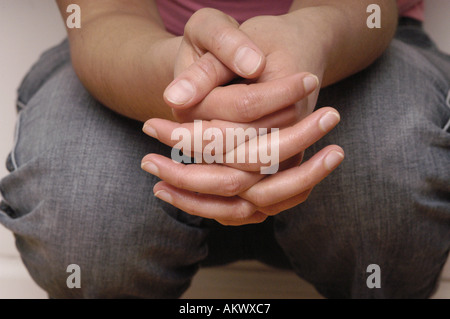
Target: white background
{"x":27,"y":27}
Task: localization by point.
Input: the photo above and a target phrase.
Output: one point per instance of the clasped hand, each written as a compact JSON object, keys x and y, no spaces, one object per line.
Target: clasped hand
{"x":254,"y":75}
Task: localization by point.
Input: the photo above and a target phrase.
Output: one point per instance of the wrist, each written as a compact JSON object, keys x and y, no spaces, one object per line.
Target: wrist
{"x":349,"y":46}
{"x":122,"y":61}
{"x":162,"y":53}
{"x":315,"y":39}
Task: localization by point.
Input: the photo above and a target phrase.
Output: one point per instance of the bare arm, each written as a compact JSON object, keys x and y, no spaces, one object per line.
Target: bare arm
{"x":123,"y":55}
{"x":339,"y":28}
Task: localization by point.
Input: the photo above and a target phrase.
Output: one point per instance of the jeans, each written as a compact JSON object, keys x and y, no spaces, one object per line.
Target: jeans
{"x":76,"y":193}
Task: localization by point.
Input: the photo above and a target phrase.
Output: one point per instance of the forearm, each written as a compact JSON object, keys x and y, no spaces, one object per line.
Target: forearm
{"x":123,"y":56}
{"x":342,"y":36}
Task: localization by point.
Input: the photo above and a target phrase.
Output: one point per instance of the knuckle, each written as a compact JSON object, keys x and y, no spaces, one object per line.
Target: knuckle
{"x":198,"y":18}
{"x":258,"y":217}
{"x":180,"y":181}
{"x":291,"y":94}
{"x":222,"y":36}
{"x":232,"y":185}
{"x":206,"y":17}
{"x":246,"y":106}
{"x":204,"y":68}
{"x":242,"y":211}
{"x":260,"y":199}
{"x":309,"y":181}
{"x":189,"y":28}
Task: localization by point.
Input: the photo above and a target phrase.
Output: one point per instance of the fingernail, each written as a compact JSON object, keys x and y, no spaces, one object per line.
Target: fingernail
{"x":151,"y":168}
{"x":329,"y":120}
{"x":150,"y":130}
{"x":165,"y":196}
{"x":247,"y":60}
{"x":333,"y":159}
{"x":310,"y":83}
{"x":180,"y":93}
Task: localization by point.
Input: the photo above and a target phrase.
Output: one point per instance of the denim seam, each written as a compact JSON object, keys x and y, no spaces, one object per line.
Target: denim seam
{"x":60,"y":54}
{"x":447,"y":102}
{"x":16,"y":141}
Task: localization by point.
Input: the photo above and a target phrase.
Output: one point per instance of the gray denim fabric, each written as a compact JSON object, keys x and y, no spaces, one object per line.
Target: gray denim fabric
{"x":76,"y":193}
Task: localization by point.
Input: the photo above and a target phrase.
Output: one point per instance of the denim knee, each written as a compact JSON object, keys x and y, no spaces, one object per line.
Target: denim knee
{"x":77,"y":195}
{"x":387,"y":204}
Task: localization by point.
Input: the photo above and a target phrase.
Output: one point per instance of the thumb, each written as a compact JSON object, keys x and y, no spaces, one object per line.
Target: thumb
{"x":194,"y":83}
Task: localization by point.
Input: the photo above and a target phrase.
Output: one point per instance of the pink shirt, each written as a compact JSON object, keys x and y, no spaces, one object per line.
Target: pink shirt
{"x":411,"y":8}
{"x":175,"y":13}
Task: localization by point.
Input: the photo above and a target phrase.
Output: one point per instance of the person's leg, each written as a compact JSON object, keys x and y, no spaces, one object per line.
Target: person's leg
{"x":388,"y":203}
{"x":77,"y":195}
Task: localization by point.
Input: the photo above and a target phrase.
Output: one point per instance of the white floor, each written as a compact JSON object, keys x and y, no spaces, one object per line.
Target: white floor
{"x":243,"y":280}
{"x":255,"y":281}
{"x":29,"y":26}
